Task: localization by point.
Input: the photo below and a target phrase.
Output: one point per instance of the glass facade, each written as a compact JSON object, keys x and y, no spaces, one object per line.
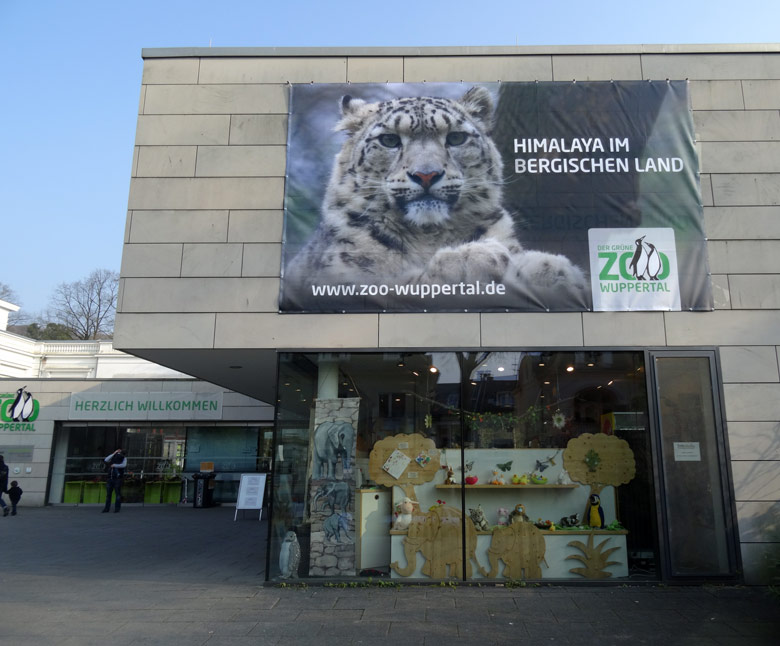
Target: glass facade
{"x":161,"y":460}
{"x":464,"y":465}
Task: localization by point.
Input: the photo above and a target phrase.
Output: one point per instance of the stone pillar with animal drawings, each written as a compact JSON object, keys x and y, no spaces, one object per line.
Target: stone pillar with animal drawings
{"x":332,"y":487}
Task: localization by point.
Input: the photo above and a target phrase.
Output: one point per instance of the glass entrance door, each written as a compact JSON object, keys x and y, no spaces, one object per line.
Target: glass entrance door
{"x":697,"y":517}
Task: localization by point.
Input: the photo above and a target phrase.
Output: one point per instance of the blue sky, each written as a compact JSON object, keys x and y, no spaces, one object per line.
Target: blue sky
{"x":72,"y":75}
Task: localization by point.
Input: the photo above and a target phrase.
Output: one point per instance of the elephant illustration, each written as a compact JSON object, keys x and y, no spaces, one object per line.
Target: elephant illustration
{"x":334,"y":494}
{"x":334,"y":525}
{"x":521,"y":547}
{"x":332,"y":440}
{"x":436,"y":534}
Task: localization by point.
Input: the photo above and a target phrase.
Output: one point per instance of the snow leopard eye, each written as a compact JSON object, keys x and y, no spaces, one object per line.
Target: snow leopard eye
{"x":456,"y":138}
{"x":389,"y":140}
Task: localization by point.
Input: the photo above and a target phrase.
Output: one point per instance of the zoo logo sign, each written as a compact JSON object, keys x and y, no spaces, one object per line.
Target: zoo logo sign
{"x":18,"y":410}
{"x":633,"y":269}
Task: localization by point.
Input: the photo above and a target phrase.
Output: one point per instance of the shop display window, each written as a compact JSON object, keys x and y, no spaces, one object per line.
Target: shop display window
{"x":470,"y":466}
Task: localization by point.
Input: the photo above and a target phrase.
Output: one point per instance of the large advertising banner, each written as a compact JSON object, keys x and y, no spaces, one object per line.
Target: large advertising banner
{"x":451,"y":197}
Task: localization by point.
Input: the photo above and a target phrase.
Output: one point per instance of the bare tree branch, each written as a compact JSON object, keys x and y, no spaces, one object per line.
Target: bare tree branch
{"x":87,"y":307}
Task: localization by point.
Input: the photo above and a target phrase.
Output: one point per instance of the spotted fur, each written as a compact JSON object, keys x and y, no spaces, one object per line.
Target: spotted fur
{"x":415,"y":196}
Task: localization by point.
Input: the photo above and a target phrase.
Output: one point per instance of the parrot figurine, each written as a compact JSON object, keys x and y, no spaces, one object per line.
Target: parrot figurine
{"x":594,"y":515}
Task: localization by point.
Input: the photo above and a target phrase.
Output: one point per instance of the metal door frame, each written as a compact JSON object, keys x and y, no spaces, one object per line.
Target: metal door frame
{"x":724,"y":464}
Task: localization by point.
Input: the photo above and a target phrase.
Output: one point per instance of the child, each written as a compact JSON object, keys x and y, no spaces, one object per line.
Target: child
{"x":14,"y":493}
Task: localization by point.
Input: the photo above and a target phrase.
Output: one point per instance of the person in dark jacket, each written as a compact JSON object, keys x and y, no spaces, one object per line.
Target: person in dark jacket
{"x":3,"y":484}
{"x":14,"y":494}
{"x":117,"y":461}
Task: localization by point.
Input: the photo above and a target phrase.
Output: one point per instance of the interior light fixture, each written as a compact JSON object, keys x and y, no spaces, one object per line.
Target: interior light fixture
{"x":433,"y":369}
{"x":569,"y":368}
{"x":546,"y":383}
{"x":611,"y":381}
{"x":541,"y":364}
{"x":473,"y":383}
{"x":500,"y":368}
{"x":415,"y":373}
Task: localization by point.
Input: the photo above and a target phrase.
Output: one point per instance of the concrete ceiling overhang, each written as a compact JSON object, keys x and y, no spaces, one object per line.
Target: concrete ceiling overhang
{"x":249,"y":372}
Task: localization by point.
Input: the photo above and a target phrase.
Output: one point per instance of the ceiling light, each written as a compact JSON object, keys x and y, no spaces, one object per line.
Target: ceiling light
{"x":501,"y":368}
{"x":433,"y":369}
{"x":569,"y":368}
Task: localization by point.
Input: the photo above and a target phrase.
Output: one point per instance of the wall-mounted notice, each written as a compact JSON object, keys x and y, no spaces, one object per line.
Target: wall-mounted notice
{"x":687,"y":452}
{"x":250,"y":492}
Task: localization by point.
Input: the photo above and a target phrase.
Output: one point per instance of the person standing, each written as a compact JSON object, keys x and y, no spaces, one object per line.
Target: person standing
{"x":15,"y":495}
{"x":117,"y":461}
{"x":3,"y":484}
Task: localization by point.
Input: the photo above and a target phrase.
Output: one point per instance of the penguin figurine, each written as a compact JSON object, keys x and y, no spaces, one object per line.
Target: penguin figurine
{"x":638,"y":263}
{"x":594,"y":515}
{"x":289,"y":556}
{"x":653,"y":261}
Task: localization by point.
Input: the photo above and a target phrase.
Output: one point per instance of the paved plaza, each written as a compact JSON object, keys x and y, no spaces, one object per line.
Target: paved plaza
{"x":176,"y":575}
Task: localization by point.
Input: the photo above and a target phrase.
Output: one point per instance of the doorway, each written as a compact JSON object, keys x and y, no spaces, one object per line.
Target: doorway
{"x":697,"y":518}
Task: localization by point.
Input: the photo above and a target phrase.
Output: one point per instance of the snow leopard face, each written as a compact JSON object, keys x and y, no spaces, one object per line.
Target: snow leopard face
{"x":417,"y":162}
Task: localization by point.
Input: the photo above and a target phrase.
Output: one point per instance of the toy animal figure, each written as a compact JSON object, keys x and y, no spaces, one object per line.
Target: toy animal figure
{"x":503,"y":516}
{"x":498,"y":478}
{"x":564,"y":478}
{"x":594,"y":515}
{"x":289,"y":556}
{"x":404,"y":510}
{"x":335,"y":524}
{"x":479,"y":520}
{"x":518,"y":515}
{"x":570,"y":521}
{"x":450,"y":480}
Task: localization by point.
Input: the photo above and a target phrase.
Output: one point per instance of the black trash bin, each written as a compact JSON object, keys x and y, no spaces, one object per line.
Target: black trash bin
{"x":204,"y":489}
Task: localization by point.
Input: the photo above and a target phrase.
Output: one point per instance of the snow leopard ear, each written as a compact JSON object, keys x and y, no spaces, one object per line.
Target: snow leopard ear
{"x":479,"y":104}
{"x":353,"y":113}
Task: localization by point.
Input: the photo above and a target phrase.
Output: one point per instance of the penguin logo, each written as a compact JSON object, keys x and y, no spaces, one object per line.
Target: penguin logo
{"x":646,"y":263}
{"x":22,"y":407}
{"x":638,"y":264}
{"x":654,"y":263}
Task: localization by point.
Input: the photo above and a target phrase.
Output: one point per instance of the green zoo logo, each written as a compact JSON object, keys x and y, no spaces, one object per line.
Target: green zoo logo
{"x":620,"y":262}
{"x":27,"y":410}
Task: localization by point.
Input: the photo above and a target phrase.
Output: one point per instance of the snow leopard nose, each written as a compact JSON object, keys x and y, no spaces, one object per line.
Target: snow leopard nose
{"x":426,"y":180}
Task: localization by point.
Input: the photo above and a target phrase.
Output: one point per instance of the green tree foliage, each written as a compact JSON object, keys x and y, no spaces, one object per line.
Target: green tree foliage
{"x":48,"y":332}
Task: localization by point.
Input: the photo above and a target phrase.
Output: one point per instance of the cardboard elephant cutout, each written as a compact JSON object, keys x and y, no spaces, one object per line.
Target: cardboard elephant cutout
{"x":521,"y":547}
{"x":436,"y":534}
